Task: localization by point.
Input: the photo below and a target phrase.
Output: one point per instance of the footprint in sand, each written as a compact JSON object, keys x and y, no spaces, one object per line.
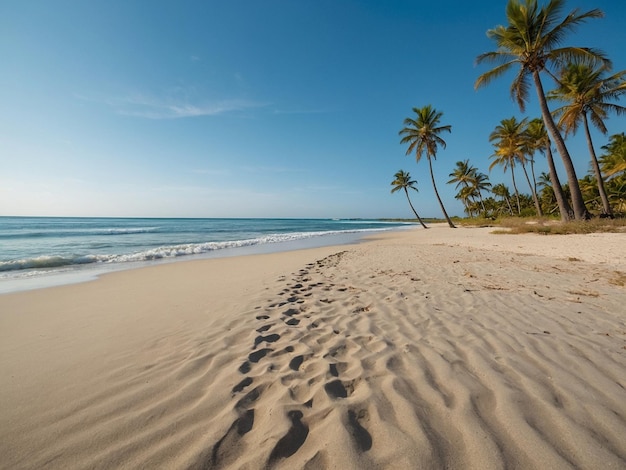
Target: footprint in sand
{"x":361,"y":436}
{"x":293,"y":440}
{"x":267,"y":339}
{"x":241,"y":385}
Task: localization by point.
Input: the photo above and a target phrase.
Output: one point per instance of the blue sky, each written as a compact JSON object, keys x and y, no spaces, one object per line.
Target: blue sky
{"x":249,"y":108}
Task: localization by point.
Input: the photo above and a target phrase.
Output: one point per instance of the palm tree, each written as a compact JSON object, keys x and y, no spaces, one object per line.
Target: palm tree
{"x":547,"y":195}
{"x":479,"y":183}
{"x":502,"y":191}
{"x":587,"y":94}
{"x":462,"y":176}
{"x":403,"y":181}
{"x":533,"y":41}
{"x":613,"y":164}
{"x":509,"y":145}
{"x":540,"y":140}
{"x":422,"y":135}
{"x":614,"y":160}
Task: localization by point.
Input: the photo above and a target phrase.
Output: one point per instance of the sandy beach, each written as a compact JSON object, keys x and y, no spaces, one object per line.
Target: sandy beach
{"x":419,"y":349}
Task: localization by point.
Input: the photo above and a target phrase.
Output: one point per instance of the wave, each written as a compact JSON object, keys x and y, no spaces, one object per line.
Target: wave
{"x":163,"y":252}
{"x":79,"y":233}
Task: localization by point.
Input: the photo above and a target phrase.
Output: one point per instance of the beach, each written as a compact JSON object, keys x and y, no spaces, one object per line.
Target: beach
{"x":425,"y":349}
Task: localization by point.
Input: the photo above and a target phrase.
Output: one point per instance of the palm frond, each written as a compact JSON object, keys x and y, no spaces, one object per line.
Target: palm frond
{"x":487,"y":77}
{"x":561,"y":57}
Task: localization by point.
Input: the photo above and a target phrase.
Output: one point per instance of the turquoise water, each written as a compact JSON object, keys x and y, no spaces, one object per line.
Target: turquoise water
{"x":38,"y":247}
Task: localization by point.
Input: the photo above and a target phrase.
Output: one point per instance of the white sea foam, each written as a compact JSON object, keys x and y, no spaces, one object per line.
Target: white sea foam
{"x":36,"y":265}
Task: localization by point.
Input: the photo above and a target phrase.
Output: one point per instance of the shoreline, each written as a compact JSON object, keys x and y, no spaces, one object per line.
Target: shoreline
{"x":78,"y":273}
{"x":435,"y":347}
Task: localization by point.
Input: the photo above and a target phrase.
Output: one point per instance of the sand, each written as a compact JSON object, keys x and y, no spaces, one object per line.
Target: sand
{"x":425,"y":349}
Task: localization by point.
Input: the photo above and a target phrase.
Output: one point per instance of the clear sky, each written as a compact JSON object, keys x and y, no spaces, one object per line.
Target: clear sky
{"x":250,"y":108}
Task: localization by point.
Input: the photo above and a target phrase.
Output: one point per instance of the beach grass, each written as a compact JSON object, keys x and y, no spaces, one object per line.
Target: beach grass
{"x":548,"y":226}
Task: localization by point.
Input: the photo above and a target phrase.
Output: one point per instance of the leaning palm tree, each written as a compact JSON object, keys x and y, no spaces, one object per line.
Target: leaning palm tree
{"x":422,"y":135}
{"x":540,"y":141}
{"x":533,"y":41}
{"x":588,"y":94}
{"x":403,"y":181}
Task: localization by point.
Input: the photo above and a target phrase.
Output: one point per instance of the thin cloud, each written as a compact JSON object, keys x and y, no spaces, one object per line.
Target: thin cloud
{"x":151,"y":107}
{"x":154,"y":108}
{"x":203,"y":171}
{"x":302,"y":111}
{"x":271,"y":169}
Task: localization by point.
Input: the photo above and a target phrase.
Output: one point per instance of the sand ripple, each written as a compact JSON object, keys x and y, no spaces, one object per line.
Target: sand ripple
{"x":383,"y":355}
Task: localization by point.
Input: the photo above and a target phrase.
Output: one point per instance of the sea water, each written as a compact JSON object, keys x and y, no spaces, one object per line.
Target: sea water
{"x":44,"y":251}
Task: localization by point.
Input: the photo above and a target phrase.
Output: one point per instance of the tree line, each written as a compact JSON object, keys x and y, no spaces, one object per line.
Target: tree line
{"x":585,"y":91}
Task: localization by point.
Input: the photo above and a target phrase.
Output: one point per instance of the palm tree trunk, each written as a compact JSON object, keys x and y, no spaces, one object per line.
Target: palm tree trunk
{"x":508,"y":203}
{"x":519,"y":209}
{"x":596,"y":168}
{"x":482,"y":203}
{"x":564,"y":208}
{"x":532,"y":172}
{"x":413,"y":208}
{"x":578,"y":203}
{"x":532,"y":190}
{"x":443,"y":209}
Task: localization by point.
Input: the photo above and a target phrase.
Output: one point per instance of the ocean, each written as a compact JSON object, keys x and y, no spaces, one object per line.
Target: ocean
{"x":44,"y":251}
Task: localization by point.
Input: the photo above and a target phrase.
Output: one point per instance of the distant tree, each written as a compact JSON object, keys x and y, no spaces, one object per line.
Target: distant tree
{"x":509,"y":140}
{"x":462,"y":176}
{"x":613,"y":161}
{"x":471,"y":183}
{"x":533,"y":41}
{"x":422,"y":135}
{"x":503,"y":192}
{"x":613,"y":164}
{"x":588,"y":95}
{"x":539,"y":140}
{"x":480,"y":182}
{"x":402,"y":181}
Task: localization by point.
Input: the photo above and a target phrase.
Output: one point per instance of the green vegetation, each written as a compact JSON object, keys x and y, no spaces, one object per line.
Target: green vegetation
{"x":547,"y":226}
{"x":533,"y":42}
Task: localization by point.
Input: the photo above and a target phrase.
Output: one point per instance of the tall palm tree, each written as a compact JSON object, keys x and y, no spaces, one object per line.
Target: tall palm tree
{"x":422,"y":135}
{"x":540,"y":141}
{"x":588,"y":94}
{"x":403,"y":181}
{"x":509,"y":141}
{"x":533,"y":41}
